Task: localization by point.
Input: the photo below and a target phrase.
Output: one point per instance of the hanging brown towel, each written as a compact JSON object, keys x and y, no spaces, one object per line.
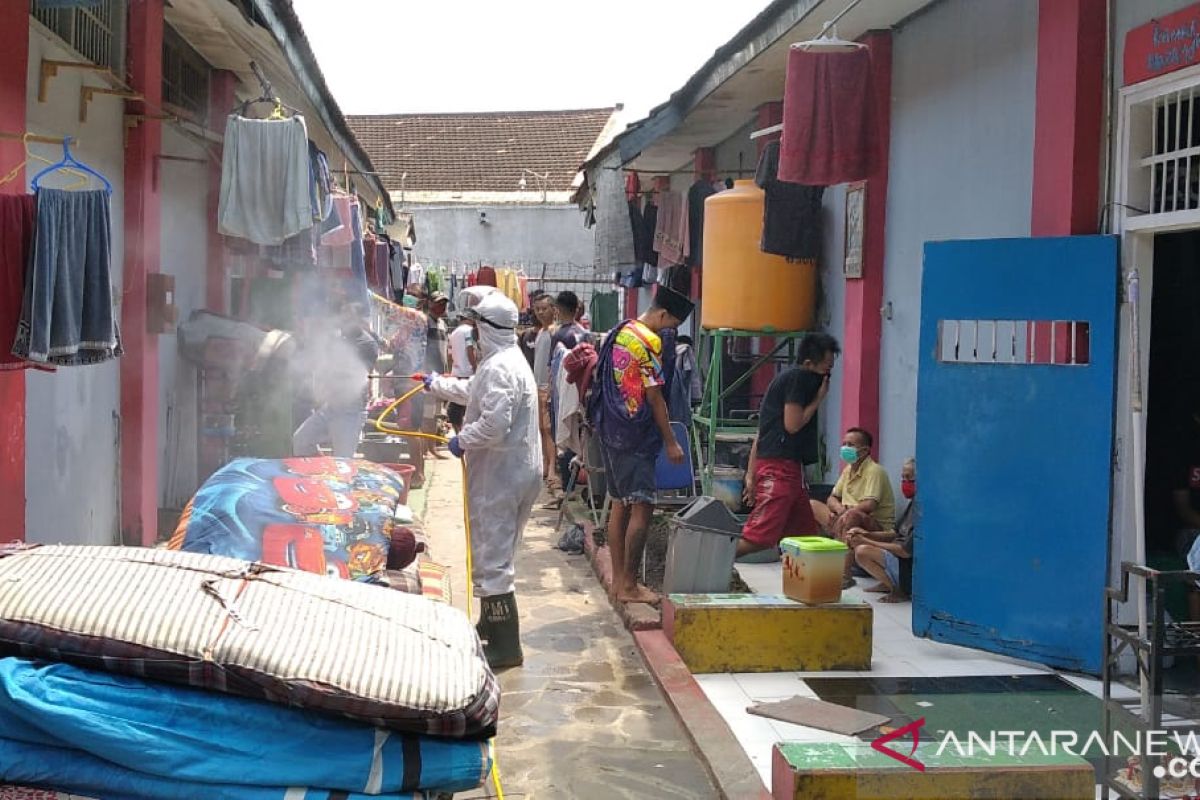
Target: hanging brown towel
{"x":828,"y":118}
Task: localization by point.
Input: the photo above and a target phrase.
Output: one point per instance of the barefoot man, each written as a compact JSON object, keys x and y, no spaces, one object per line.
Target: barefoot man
{"x":629,"y":413}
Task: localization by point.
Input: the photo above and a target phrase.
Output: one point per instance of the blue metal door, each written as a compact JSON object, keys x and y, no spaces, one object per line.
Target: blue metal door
{"x":1014,"y":445}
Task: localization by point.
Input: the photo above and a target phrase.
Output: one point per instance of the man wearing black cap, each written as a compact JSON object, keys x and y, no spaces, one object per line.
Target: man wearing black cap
{"x":629,"y":412}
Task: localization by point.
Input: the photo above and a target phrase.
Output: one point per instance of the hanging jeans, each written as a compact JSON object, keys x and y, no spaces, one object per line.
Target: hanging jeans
{"x":67,"y":309}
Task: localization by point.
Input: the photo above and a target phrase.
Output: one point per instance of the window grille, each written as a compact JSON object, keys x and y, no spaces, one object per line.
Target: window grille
{"x":94,"y":32}
{"x":185,"y":76}
{"x":1174,"y":160}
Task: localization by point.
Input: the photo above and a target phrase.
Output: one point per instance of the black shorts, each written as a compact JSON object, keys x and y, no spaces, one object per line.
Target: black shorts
{"x":456,"y":413}
{"x":631,"y":476}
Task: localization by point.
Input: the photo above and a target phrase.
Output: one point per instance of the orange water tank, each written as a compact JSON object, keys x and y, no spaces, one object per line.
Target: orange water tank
{"x":745,"y":288}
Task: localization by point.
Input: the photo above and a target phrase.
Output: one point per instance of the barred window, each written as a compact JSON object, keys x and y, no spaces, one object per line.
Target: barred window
{"x":185,"y":76}
{"x":95,"y":32}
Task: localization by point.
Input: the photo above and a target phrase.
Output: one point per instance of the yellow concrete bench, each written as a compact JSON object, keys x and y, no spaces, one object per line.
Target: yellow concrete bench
{"x":855,"y":771}
{"x":767,"y":633}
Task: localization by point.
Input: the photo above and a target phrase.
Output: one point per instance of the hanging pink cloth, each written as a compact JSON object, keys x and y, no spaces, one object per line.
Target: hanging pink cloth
{"x":828,"y":118}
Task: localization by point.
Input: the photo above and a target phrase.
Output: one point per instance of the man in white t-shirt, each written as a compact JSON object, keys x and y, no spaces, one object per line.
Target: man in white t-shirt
{"x":463,"y":360}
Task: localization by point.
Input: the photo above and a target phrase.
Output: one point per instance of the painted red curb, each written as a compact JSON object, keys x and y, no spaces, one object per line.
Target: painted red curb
{"x":724,"y":759}
{"x":727,"y":763}
{"x":635,"y":616}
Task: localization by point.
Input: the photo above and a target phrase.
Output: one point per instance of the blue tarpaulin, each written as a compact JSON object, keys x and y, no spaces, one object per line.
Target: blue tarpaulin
{"x":151,"y":730}
{"x":82,"y":773}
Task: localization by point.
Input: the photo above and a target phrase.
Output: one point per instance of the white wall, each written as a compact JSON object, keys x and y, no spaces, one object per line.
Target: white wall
{"x":516,"y":234}
{"x":184,"y":252}
{"x":963,"y":101}
{"x":72,"y":423}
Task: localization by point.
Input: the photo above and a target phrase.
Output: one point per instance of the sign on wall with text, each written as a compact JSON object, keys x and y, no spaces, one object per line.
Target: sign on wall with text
{"x":1162,"y":46}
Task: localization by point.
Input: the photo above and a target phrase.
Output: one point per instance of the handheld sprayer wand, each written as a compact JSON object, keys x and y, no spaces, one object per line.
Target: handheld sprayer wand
{"x":383,"y":428}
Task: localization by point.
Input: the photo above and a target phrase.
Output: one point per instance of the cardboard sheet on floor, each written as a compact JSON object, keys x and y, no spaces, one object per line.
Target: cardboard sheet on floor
{"x":819,"y":714}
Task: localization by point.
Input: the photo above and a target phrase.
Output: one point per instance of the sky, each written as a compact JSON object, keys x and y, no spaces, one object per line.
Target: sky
{"x":408,"y":56}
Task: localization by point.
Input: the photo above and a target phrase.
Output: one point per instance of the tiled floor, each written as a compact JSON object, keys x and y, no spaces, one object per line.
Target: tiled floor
{"x":897,"y":653}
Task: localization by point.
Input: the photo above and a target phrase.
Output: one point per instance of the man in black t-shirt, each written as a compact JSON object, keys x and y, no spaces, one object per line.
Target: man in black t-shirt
{"x":786,"y":442}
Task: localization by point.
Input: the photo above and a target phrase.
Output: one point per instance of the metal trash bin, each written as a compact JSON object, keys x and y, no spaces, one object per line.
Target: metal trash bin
{"x":701,"y":548}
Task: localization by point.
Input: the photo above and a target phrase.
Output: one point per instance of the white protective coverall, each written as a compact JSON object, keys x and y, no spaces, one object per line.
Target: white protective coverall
{"x":500,"y":439}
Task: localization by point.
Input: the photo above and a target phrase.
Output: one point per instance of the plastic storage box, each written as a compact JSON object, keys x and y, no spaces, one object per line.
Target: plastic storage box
{"x":812,"y":569}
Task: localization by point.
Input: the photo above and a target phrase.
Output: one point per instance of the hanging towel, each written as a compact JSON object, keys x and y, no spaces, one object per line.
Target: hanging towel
{"x":67,"y":305}
{"x":828,"y":118}
{"x":791,"y":211}
{"x":671,"y":234}
{"x":266,"y":178}
{"x":486,"y":276}
{"x":18,"y":213}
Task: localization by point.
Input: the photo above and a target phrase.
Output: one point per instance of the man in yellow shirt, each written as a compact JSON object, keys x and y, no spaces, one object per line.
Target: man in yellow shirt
{"x":861,"y":499}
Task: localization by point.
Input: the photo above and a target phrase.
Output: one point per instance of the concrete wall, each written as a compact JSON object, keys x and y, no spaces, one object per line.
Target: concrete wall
{"x":963,"y":99}
{"x":72,"y":423}
{"x":184,"y":250}
{"x":526,"y":234}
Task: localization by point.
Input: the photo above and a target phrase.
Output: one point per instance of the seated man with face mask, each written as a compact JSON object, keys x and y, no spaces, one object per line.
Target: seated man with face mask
{"x":500,"y":440}
{"x":861,"y":499}
{"x":888,"y":555}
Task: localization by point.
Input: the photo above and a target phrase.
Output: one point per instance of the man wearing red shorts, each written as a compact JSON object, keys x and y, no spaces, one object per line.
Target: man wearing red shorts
{"x":787,"y":440}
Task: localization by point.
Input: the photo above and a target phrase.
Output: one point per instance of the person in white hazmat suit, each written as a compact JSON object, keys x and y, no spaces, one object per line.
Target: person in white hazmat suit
{"x":500,"y":442}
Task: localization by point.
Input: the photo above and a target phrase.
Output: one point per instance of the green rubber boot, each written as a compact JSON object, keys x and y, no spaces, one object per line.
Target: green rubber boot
{"x":503,"y":627}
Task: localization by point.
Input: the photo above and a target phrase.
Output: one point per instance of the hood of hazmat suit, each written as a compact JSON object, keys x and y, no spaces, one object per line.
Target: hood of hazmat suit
{"x":501,"y":438}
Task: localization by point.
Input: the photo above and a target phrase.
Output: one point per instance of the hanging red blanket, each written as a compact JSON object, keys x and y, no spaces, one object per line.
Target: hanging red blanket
{"x":829,"y":128}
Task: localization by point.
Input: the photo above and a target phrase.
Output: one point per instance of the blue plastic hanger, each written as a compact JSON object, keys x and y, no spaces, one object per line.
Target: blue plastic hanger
{"x":69,"y":160}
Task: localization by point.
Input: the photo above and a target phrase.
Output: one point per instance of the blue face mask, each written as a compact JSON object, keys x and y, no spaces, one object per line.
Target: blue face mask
{"x":849,"y":454}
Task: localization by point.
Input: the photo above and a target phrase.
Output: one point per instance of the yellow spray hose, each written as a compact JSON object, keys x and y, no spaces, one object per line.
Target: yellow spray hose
{"x":383,"y":428}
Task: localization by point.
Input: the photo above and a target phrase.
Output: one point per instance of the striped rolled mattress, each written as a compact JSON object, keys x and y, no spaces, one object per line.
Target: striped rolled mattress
{"x":392,"y":659}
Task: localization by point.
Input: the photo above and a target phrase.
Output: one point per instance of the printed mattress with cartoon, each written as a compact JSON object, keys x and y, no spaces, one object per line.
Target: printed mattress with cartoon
{"x":329,"y":516}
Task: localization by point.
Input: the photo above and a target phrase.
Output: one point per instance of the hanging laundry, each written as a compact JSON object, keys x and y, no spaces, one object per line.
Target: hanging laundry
{"x":357,"y":290}
{"x":265,"y":180}
{"x":508,"y":283}
{"x":645,"y":237}
{"x":671,"y":239}
{"x":829,"y":133}
{"x":416,"y":275}
{"x":604,"y":311}
{"x":67,"y":306}
{"x":320,"y":183}
{"x":700,"y":191}
{"x":791,"y":211}
{"x":486,"y":276}
{"x":341,"y":234}
{"x":18,"y":213}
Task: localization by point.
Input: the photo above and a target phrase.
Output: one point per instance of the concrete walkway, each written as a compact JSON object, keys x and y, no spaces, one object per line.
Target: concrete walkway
{"x":582,"y":719}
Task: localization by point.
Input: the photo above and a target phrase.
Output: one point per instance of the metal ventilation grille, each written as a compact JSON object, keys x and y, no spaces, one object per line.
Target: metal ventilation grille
{"x":94,"y":32}
{"x":185,"y":76}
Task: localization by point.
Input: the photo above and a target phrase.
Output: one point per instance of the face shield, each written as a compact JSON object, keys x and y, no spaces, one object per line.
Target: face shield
{"x":495,"y":320}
